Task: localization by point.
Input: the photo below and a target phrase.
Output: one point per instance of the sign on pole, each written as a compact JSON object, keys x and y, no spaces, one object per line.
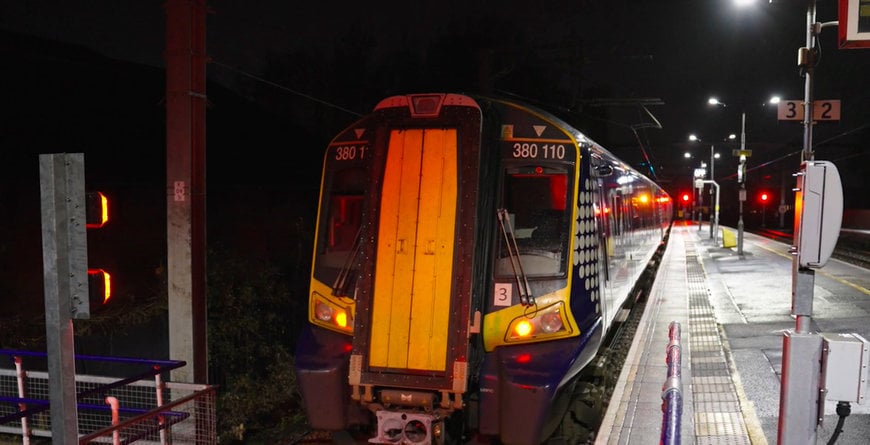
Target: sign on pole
{"x":854,"y":24}
{"x":823,"y":110}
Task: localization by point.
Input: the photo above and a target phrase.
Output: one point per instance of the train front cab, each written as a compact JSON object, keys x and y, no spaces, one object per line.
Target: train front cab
{"x":541,"y":327}
{"x":391,"y":287}
{"x":555,"y":296}
{"x":429,"y":221}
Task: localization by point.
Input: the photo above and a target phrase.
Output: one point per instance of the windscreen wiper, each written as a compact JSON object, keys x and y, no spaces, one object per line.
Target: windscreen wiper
{"x":510,"y":240}
{"x":341,"y":285}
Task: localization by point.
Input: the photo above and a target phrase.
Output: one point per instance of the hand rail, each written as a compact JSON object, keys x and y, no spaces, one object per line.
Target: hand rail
{"x":672,"y":390}
{"x":155,"y":368}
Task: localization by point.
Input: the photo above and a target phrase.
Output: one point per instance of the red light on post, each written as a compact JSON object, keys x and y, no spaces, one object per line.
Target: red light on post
{"x":686,"y":197}
{"x":763,"y":197}
{"x":97,"y":210}
{"x":99,"y":281}
{"x":99,"y":286}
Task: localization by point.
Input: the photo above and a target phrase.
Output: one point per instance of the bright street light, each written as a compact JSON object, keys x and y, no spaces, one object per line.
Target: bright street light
{"x":774,"y":99}
{"x":741,"y":168}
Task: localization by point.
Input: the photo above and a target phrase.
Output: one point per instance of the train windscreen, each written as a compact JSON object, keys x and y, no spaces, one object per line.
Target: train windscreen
{"x":536,"y":200}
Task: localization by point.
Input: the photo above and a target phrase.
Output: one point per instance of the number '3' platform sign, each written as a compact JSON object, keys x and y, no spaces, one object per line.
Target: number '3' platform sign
{"x":823,"y":110}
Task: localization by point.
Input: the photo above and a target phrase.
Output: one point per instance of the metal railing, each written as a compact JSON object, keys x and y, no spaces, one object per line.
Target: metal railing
{"x":672,"y":390}
{"x":109,"y":409}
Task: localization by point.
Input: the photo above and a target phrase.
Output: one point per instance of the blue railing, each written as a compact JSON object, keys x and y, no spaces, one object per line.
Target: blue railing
{"x":153,"y":368}
{"x":672,"y":390}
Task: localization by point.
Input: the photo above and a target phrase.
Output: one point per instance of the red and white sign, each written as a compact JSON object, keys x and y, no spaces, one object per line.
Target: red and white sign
{"x":854,"y":24}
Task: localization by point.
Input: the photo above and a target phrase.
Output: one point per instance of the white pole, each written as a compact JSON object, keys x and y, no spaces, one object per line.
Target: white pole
{"x":712,"y":178}
{"x":114,"y":406}
{"x":19,"y":372}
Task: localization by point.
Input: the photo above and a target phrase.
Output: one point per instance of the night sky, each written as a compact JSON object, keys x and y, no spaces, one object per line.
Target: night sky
{"x":286,"y":76}
{"x":566,"y":54}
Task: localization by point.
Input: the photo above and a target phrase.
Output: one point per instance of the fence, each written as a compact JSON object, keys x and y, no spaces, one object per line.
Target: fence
{"x":142,"y":408}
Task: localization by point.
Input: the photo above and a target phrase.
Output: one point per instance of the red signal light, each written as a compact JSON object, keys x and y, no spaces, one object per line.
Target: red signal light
{"x":100,"y":286}
{"x":99,"y":280}
{"x":763,"y":197}
{"x":686,"y":197}
{"x":97,"y":210}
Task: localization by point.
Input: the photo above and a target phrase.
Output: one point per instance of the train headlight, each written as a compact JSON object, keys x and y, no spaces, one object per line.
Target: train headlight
{"x":535,"y":325}
{"x":551,"y":322}
{"x":331,"y":314}
{"x":322,"y":311}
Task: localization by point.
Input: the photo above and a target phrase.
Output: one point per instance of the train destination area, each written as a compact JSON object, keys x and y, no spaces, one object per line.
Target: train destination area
{"x":733,"y":312}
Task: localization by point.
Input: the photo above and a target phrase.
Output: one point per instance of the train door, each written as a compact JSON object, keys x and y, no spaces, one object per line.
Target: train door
{"x":604,"y":215}
{"x":412,"y":284}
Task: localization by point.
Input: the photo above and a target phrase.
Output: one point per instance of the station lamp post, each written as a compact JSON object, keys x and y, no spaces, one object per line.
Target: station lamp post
{"x":742,"y":154}
{"x":698,"y":180}
{"x":801,"y":394}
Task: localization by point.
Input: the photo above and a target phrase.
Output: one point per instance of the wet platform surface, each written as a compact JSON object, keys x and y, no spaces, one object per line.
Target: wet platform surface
{"x":732,"y":311}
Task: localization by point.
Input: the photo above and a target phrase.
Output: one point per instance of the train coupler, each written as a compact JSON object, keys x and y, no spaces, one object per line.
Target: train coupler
{"x":408,"y":428}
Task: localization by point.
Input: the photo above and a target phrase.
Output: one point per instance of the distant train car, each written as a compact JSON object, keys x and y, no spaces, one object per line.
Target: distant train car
{"x":471,"y":254}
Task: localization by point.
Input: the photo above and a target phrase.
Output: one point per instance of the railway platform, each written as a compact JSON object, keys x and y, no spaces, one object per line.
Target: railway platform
{"x":732,"y":311}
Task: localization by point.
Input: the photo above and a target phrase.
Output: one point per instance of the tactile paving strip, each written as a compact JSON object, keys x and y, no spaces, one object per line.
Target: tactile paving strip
{"x":718,"y":419}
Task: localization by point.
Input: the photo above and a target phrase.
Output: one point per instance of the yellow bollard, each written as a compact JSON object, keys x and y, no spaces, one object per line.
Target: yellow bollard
{"x":728,"y":239}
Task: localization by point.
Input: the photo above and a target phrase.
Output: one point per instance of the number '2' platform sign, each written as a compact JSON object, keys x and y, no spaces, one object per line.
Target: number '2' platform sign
{"x":823,"y":110}
{"x":854,"y":24}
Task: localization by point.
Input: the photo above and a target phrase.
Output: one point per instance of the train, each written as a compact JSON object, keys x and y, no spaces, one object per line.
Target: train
{"x":471,"y":255}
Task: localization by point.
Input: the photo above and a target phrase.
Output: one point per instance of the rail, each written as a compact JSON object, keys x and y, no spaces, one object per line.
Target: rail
{"x":117,"y":410}
{"x":672,"y":390}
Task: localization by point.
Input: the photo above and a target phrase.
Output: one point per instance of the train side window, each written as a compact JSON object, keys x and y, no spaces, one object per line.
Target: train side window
{"x":537,"y":199}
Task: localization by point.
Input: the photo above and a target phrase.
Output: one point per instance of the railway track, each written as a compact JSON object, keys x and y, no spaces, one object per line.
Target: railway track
{"x":853,"y":246}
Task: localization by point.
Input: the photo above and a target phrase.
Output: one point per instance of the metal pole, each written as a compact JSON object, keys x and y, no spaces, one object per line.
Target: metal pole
{"x":716,"y":221}
{"x":742,"y":193}
{"x":712,"y":178}
{"x":700,"y":201}
{"x":782,"y":206}
{"x":65,"y":278}
{"x":799,"y":403}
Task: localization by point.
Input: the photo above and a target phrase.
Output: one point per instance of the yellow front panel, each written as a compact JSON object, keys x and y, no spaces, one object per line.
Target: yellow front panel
{"x":391,"y":303}
{"x":411,"y":305}
{"x":434,"y":258}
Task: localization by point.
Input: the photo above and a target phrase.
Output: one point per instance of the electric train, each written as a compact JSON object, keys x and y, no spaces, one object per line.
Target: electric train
{"x":471,"y":255}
